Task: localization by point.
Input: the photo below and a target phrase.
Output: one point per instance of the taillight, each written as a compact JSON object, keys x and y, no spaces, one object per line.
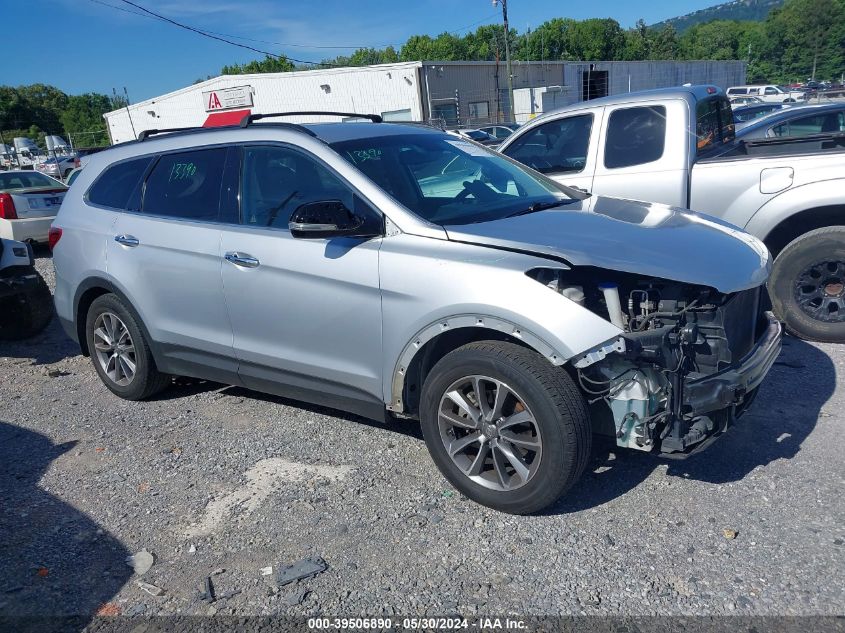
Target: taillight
{"x":76,"y":162}
{"x":7,"y":207}
{"x":53,"y":236}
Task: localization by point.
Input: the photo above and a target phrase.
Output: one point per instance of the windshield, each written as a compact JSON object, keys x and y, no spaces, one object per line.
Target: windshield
{"x":477,"y":135}
{"x":25,"y":180}
{"x":447,"y":180}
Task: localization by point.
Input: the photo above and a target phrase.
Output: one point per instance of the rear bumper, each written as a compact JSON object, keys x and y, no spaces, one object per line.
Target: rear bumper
{"x":19,"y":283}
{"x":729,"y":387}
{"x":24,"y":229}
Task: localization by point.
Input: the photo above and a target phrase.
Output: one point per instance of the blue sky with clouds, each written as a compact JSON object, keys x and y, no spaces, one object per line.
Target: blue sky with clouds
{"x":86,"y":46}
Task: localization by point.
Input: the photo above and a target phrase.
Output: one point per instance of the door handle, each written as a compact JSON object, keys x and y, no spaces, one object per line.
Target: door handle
{"x":126,"y":240}
{"x":242,"y":259}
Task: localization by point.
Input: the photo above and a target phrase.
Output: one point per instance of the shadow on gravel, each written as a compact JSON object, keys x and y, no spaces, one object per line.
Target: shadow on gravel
{"x":54,"y":560}
{"x":783,"y":415}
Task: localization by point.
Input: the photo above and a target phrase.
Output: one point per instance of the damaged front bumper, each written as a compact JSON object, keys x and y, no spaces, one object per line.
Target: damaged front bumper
{"x":712,"y":402}
{"x":730,"y":386}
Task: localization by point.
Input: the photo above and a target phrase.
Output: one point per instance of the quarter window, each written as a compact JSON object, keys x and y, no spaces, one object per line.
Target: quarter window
{"x":119,"y":186}
{"x":555,"y":147}
{"x":635,"y":136}
{"x":186,"y":185}
{"x":278,"y":180}
{"x":816,"y":124}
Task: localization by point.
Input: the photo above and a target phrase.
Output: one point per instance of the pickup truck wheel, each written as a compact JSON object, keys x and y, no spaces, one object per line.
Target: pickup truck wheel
{"x":807,"y":285}
{"x":27,"y":313}
{"x":120,"y":352}
{"x":504,"y":426}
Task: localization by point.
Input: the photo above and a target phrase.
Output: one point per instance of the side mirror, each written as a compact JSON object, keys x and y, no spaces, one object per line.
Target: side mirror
{"x":325,"y":219}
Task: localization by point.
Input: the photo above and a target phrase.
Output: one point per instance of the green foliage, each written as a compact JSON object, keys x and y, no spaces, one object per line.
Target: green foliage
{"x":266,"y":65}
{"x":745,"y":11}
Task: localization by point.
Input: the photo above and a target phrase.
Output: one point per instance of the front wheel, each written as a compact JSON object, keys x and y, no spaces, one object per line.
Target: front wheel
{"x":807,"y":285}
{"x":504,"y":426}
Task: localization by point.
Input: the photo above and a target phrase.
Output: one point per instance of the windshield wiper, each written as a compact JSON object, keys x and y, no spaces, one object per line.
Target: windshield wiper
{"x":541,"y":206}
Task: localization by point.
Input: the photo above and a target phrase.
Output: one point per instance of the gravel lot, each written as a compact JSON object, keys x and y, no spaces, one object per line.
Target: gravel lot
{"x":211,"y":478}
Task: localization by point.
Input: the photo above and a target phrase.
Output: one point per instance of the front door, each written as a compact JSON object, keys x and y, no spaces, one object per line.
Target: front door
{"x":306,"y":313}
{"x":564,"y":149}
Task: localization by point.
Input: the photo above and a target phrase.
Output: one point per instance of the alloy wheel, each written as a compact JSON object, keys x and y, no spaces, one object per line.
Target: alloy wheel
{"x":114,"y":349}
{"x":490,"y":433}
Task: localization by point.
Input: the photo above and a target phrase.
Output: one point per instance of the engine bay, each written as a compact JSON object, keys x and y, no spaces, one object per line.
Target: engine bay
{"x":675,"y":336}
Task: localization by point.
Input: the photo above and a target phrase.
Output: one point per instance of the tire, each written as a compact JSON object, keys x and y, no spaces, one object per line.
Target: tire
{"x":27,"y":313}
{"x":538,"y":391}
{"x":109,"y":315}
{"x":815,"y":256}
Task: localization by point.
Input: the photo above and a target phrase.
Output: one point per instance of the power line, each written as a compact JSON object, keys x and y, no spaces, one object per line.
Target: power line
{"x":224,"y":40}
{"x":241,"y":37}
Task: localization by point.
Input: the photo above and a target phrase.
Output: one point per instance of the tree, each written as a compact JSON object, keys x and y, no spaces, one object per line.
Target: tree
{"x":82,"y":119}
{"x":267,"y":65}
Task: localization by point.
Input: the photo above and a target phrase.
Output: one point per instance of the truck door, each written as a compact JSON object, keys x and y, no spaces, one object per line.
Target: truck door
{"x":564,"y":148}
{"x":637,"y":158}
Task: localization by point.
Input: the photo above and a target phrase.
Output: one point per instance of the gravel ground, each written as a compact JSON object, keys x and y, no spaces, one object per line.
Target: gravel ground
{"x":222,"y":482}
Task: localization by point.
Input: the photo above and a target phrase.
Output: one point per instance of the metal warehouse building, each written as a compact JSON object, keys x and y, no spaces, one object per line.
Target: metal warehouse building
{"x":453,"y":93}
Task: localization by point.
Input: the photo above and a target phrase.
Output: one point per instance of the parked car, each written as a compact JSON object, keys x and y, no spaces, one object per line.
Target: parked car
{"x":310,"y":261}
{"x":500,"y":131}
{"x":26,"y":305}
{"x":769,"y":93}
{"x":58,"y":166}
{"x":478,"y":136}
{"x":828,"y":118}
{"x":787,"y":193}
{"x":744,"y":115}
{"x":738,"y":101}
{"x":28,"y":203}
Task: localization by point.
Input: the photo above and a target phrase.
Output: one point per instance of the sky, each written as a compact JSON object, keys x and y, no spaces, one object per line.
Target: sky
{"x":98,"y":48}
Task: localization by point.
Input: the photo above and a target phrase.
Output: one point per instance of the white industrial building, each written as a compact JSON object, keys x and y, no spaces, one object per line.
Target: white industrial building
{"x":453,"y":93}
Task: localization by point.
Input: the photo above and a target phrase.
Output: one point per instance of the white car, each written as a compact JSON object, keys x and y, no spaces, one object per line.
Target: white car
{"x":28,"y":203}
{"x":769,"y":93}
{"x":58,"y":166}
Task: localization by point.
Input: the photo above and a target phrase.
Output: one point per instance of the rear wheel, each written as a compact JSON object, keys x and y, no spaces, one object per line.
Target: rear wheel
{"x":26,"y":314}
{"x":504,"y":426}
{"x":120,"y":352}
{"x":807,"y":285}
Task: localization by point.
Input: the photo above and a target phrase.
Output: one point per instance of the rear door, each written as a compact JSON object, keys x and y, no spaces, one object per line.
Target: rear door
{"x":167,"y":258}
{"x":564,"y":148}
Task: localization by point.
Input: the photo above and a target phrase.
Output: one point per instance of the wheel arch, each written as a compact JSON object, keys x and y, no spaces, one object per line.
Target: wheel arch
{"x":436,"y":340}
{"x":86,"y":293}
{"x":802,"y":222}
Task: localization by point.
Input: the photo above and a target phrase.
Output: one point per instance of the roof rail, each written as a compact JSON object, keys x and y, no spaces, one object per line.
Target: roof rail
{"x":148,"y":133}
{"x":375,"y":118}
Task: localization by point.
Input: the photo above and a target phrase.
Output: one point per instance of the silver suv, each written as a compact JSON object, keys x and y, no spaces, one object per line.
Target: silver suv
{"x":394,"y":270}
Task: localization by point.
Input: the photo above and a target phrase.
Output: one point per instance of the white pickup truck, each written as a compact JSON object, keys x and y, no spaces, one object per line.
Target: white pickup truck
{"x":677,"y":146}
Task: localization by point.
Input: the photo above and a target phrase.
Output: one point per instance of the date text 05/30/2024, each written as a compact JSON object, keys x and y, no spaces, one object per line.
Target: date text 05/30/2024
{"x":432,"y":623}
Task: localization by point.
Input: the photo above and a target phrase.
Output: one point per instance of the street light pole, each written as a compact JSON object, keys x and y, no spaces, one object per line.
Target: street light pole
{"x":507,"y":56}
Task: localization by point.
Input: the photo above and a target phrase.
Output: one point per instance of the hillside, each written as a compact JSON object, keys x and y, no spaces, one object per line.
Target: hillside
{"x":736,"y":10}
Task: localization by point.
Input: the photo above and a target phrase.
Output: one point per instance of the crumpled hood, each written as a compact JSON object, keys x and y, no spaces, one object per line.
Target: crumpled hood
{"x":634,"y":237}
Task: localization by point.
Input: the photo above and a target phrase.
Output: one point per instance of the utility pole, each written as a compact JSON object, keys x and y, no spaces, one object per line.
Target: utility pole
{"x":507,"y":55}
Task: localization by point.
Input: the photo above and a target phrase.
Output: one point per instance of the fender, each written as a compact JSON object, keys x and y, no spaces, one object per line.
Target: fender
{"x":794,"y":200}
{"x":481,"y":321}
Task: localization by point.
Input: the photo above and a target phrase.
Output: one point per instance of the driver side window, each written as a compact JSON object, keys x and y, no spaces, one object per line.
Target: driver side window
{"x":277,"y":180}
{"x":555,"y":147}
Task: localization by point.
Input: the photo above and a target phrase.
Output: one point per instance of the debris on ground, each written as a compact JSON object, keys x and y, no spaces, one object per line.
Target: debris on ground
{"x":218,"y":571}
{"x":192,"y":549}
{"x":294,"y":598}
{"x":207,"y":592}
{"x":43,"y":572}
{"x":150,"y":588}
{"x":729,"y":534}
{"x":226,"y":595}
{"x":141,"y":562}
{"x":108,"y":609}
{"x":306,"y":568}
{"x":266,"y":571}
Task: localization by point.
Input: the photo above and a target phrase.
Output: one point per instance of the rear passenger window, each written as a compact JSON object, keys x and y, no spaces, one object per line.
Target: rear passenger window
{"x":635,"y":136}
{"x":186,"y":185}
{"x":555,"y":147}
{"x":119,"y":186}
